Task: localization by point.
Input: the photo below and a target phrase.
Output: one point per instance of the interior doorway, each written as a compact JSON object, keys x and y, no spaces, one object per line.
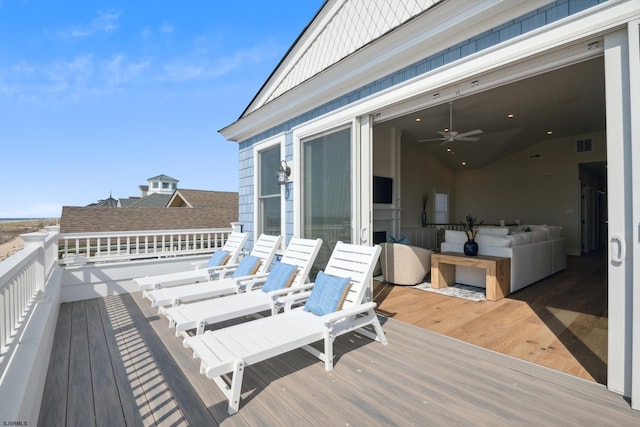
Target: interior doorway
{"x":593,"y":213}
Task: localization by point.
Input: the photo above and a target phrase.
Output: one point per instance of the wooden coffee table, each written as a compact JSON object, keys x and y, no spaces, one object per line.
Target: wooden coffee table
{"x":498,"y":271}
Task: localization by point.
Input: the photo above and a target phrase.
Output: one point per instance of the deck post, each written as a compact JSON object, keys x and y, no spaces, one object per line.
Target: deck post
{"x":36,"y":242}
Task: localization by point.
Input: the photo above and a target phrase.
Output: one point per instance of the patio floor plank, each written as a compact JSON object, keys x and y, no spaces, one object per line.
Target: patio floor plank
{"x":53,"y":410}
{"x":81,"y":395}
{"x":420,"y":378}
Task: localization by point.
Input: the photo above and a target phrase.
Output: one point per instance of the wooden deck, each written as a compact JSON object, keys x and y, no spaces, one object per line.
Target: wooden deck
{"x":116,"y":363}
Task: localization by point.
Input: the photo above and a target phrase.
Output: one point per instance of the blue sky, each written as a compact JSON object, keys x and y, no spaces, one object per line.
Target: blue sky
{"x":96,"y":97}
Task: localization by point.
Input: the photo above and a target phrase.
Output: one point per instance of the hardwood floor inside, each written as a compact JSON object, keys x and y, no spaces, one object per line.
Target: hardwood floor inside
{"x":559,"y":322}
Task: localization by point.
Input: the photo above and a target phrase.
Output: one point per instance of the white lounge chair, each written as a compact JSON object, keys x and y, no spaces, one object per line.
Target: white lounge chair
{"x":300,"y":253}
{"x":264,"y":249}
{"x":232,"y":247}
{"x":230,"y":350}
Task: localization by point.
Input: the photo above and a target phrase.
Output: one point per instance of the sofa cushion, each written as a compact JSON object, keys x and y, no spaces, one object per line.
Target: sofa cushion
{"x":494,"y":231}
{"x":518,"y":239}
{"x":555,"y":232}
{"x":538,"y":235}
{"x":491,"y":240}
{"x":454,"y":236}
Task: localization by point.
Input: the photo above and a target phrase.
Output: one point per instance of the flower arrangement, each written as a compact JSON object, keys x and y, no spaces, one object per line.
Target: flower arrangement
{"x":471,"y":226}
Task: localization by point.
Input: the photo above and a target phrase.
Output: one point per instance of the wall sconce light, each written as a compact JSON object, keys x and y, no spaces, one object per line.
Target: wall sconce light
{"x":283,"y":173}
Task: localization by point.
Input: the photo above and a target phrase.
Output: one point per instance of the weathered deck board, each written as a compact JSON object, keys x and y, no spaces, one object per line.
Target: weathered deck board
{"x":108,"y":409}
{"x":52,"y":413}
{"x":81,"y":395}
{"x":420,"y":378}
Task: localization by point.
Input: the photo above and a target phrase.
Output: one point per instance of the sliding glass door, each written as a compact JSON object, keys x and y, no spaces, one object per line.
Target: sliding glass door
{"x":326,"y":195}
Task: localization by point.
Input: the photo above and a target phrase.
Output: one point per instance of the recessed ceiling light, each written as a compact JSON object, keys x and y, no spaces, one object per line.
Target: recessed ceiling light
{"x":464,"y":163}
{"x":510,"y":116}
{"x":446,"y":129}
{"x":418,"y":119}
{"x":549,"y":132}
{"x":449,"y":149}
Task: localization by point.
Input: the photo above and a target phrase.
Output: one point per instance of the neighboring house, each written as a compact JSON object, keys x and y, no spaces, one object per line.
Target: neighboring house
{"x":154,"y":210}
{"x":161,"y":184}
{"x":550,"y":88}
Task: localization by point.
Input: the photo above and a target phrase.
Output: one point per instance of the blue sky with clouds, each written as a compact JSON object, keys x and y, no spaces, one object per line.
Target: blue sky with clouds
{"x":96,"y":97}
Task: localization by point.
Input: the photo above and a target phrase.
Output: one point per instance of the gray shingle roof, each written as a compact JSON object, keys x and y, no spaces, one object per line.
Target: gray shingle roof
{"x":203,"y":198}
{"x":76,"y":219}
{"x":154,"y":200}
{"x":162,"y":178}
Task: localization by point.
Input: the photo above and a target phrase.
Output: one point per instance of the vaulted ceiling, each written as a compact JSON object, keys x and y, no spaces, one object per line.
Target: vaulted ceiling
{"x":568,"y":101}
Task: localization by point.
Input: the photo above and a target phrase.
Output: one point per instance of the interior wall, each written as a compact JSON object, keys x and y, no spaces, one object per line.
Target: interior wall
{"x":539,"y":185}
{"x":386,"y":163}
{"x":422,"y":174}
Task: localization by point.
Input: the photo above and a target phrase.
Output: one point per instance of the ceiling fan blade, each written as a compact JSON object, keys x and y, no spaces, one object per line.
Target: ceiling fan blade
{"x":432,"y":139}
{"x":467,"y":138}
{"x":470,"y":133}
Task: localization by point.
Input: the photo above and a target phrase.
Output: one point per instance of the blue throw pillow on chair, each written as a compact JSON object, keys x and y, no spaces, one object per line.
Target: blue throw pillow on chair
{"x":218,"y":258}
{"x":328,"y":294}
{"x":247,"y":267}
{"x":280,"y":276}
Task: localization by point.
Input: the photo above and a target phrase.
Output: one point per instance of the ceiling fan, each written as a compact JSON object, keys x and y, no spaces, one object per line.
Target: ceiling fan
{"x":450,"y":135}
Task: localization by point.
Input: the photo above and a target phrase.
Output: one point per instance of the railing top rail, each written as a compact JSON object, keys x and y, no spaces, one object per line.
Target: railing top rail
{"x":144,"y":232}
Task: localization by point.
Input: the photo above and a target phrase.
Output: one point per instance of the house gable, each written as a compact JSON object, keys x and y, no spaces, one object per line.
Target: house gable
{"x":338,"y":30}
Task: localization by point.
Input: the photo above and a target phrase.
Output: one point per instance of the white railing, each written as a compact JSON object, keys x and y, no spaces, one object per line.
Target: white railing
{"x":128,"y":245}
{"x":22,"y":279}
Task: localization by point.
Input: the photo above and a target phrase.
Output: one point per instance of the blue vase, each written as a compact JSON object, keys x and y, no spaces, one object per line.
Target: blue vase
{"x":471,"y":248}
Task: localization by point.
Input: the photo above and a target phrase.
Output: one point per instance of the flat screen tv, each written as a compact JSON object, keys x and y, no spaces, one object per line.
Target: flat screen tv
{"x":382,"y":190}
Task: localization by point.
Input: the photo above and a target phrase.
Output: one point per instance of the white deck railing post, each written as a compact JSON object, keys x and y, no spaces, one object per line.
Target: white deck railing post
{"x":51,"y":248}
{"x":36,"y":241}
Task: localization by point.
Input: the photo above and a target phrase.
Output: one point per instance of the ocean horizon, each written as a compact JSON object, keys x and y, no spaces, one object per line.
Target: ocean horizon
{"x":22,"y":219}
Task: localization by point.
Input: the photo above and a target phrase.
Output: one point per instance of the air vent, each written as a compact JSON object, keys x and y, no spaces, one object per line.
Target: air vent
{"x":534,"y":156}
{"x":583,"y":145}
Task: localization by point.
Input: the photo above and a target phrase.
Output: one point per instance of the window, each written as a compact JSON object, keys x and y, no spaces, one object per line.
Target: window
{"x":269,"y":201}
{"x":441,"y":213}
{"x":154,"y":184}
{"x":165,"y":185}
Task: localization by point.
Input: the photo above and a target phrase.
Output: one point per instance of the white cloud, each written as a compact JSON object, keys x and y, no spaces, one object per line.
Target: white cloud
{"x":105,"y":22}
{"x":166,"y":28}
{"x":190,"y":69}
{"x":120,"y":71}
{"x":183,"y":71}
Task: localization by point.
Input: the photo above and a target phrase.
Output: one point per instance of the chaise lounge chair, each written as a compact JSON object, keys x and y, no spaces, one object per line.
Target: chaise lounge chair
{"x":253,"y":266}
{"x":219,"y":263}
{"x":287,"y":277}
{"x":230,"y":350}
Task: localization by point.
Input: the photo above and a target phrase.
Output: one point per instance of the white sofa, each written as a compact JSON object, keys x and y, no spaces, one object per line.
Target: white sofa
{"x":536,"y":251}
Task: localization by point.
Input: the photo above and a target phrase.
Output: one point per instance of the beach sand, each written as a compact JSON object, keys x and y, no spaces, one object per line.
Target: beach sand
{"x":10,"y":241}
